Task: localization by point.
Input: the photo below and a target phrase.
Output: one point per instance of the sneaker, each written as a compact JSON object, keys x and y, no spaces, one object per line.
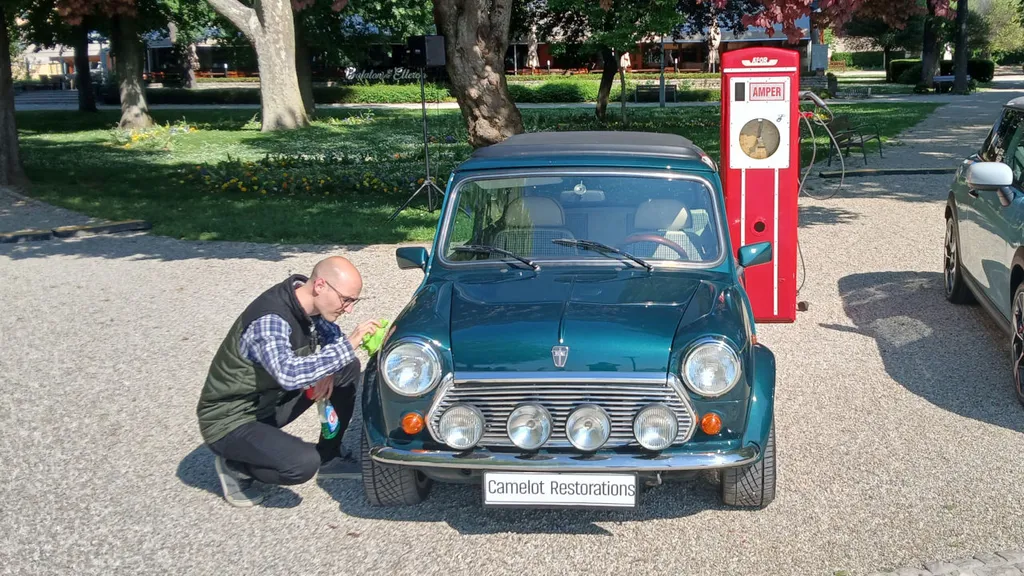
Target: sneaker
{"x":344,"y":465}
{"x":237,"y":486}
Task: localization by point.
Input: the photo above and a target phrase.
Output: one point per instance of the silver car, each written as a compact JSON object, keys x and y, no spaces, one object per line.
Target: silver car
{"x":984,"y":256}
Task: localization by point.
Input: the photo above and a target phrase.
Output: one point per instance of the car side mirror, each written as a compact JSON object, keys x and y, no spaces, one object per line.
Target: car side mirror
{"x":754,"y":254}
{"x":411,"y":257}
{"x":989,"y":176}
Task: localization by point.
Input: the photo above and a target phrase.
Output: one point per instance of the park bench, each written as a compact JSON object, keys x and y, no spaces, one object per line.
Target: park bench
{"x":939,"y":81}
{"x":653,"y":91}
{"x":848,"y":134}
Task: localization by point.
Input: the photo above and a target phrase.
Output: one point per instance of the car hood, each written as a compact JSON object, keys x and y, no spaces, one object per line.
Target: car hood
{"x":621,"y":322}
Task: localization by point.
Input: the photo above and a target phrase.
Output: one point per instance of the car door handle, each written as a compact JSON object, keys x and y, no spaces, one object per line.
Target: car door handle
{"x":973,"y":193}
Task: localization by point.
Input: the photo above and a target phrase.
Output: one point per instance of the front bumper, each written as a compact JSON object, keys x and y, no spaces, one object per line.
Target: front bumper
{"x":482,"y":459}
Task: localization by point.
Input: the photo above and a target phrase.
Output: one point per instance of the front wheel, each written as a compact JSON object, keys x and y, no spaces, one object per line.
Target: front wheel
{"x":751,"y":486}
{"x":952,"y":269}
{"x":1017,"y":342}
{"x":392,"y":485}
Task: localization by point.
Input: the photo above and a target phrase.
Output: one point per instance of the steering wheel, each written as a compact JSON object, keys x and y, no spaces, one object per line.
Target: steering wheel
{"x":658,"y":240}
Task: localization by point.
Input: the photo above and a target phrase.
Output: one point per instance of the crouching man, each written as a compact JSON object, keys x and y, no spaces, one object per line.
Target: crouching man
{"x":284,"y":342}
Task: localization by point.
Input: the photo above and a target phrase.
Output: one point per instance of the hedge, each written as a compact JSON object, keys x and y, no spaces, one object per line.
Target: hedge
{"x":562,"y":91}
{"x":873,"y":59}
{"x":977,"y":69}
{"x":980,"y":70}
{"x":898,"y":66}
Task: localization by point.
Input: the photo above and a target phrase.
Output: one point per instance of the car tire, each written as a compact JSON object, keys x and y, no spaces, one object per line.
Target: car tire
{"x":1017,"y":342}
{"x":392,"y":485}
{"x":751,"y":486}
{"x":953,"y":282}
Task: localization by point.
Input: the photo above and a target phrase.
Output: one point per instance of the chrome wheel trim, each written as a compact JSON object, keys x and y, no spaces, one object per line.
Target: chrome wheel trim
{"x":949,"y":261}
{"x":1017,"y":342}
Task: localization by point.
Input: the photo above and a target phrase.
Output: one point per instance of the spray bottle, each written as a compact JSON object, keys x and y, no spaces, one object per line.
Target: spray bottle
{"x":328,"y":416}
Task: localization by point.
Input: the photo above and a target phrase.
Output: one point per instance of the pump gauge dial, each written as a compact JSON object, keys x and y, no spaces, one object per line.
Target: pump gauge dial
{"x":759,"y":138}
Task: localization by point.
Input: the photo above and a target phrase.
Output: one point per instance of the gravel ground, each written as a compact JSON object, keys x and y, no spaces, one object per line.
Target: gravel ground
{"x":899,"y":435}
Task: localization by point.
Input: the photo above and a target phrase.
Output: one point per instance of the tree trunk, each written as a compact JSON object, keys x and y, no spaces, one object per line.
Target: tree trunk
{"x":611,"y":66}
{"x":622,"y":95}
{"x":960,"y":49}
{"x":11,"y":173}
{"x":189,"y":67}
{"x":304,"y":67}
{"x":476,"y":39}
{"x":83,"y":77}
{"x":188,"y":59}
{"x":930,"y":48}
{"x":270,"y":28}
{"x":128,"y":63}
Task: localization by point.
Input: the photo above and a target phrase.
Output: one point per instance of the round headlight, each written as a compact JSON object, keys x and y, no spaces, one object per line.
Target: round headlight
{"x":655,"y":427}
{"x":711,"y":369}
{"x":461,"y":426}
{"x":529,"y":426}
{"x":588,"y":427}
{"x":411,"y":368}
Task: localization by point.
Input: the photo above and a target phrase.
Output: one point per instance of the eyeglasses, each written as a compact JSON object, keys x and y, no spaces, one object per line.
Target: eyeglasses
{"x":345,"y":300}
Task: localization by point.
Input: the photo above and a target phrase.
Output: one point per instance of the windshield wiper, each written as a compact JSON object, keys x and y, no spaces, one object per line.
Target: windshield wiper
{"x":481,"y":249}
{"x":599,"y":247}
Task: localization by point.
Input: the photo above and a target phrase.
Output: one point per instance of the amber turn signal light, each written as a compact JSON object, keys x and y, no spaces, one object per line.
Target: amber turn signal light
{"x":412,"y":423}
{"x":711,"y":424}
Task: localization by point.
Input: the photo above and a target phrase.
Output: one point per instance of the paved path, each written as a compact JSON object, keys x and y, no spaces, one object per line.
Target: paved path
{"x":899,"y":435}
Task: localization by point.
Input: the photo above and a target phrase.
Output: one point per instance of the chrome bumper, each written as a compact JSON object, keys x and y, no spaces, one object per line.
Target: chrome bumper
{"x":481,"y":459}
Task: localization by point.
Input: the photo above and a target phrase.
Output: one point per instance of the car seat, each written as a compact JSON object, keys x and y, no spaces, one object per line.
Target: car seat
{"x":531,"y":223}
{"x":668,"y":218}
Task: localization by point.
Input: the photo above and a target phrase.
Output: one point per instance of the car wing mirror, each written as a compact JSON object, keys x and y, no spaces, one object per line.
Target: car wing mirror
{"x":988,"y":176}
{"x":411,"y":257}
{"x":754,"y":254}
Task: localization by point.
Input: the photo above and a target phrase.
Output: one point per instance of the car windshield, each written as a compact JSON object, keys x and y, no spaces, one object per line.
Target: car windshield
{"x":637,"y":220}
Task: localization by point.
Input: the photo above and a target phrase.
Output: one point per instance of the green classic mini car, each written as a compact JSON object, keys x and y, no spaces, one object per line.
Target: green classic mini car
{"x":581,"y":331}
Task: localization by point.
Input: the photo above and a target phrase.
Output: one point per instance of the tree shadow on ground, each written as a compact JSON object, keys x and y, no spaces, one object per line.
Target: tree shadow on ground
{"x":915,"y":188}
{"x":196,"y":470}
{"x":952,"y":356}
{"x":824,"y":215}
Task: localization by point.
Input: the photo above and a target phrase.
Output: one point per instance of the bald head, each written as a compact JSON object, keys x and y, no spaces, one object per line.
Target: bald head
{"x":332,"y":289}
{"x":336,"y":268}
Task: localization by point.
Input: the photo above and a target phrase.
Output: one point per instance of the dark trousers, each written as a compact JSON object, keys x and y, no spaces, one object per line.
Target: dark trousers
{"x":271,"y":455}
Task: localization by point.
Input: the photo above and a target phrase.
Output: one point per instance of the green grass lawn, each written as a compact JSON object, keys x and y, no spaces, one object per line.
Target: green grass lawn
{"x":225,"y":180}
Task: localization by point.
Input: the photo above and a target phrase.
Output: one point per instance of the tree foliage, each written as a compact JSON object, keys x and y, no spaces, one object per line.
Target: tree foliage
{"x":339,"y":33}
{"x":620,"y":27}
{"x":1006,"y":30}
{"x":836,"y":13}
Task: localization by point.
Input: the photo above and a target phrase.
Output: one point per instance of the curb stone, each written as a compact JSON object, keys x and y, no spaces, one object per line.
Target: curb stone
{"x":71,"y":231}
{"x":885,"y":172}
{"x":108,"y":228}
{"x":26,"y":235}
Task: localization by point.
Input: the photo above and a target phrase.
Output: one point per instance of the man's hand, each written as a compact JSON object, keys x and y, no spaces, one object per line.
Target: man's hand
{"x":356,"y":338}
{"x":323,"y":387}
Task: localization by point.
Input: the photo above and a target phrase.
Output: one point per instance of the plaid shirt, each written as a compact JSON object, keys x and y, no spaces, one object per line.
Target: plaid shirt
{"x":266,"y":342}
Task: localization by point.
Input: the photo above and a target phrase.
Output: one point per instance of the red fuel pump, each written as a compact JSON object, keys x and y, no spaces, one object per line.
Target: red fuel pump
{"x":760,"y":166}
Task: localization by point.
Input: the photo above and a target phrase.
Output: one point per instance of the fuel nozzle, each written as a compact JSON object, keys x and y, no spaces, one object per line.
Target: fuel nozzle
{"x":808,"y":95}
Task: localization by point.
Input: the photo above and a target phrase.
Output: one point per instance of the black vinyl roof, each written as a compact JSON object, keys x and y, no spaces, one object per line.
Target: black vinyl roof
{"x":592,"y":142}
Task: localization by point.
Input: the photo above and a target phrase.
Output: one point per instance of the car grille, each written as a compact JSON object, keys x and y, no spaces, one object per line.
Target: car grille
{"x":621,"y":397}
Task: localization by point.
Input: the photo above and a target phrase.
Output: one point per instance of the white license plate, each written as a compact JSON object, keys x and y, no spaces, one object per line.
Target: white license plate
{"x":560,"y":490}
